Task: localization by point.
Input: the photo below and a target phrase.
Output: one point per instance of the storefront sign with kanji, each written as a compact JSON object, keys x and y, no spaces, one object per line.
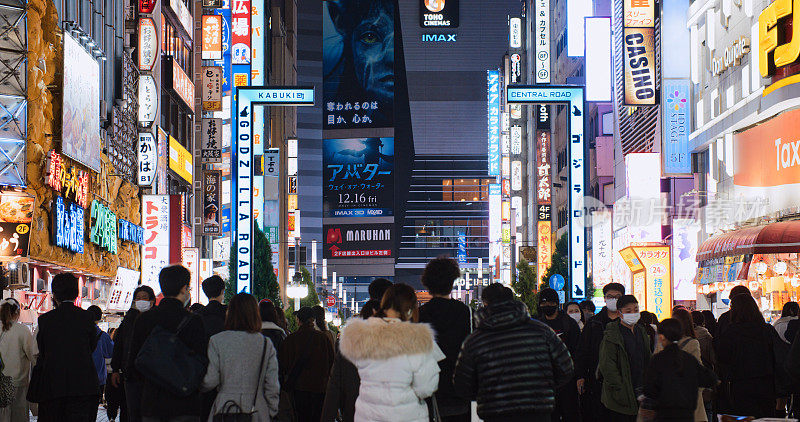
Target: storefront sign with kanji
{"x":69,"y":181}
{"x":212,"y":189}
{"x":147,"y":154}
{"x":212,"y":88}
{"x":211,"y":135}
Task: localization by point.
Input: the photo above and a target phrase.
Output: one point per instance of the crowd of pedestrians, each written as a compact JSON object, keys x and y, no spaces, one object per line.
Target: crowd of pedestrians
{"x":397,"y":360}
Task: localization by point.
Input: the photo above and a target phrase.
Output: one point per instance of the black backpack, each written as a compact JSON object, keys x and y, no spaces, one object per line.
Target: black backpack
{"x":170,"y":363}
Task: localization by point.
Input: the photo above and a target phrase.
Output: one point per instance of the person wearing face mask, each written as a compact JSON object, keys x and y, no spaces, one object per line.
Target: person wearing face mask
{"x":567,"y":329}
{"x":624,"y":356}
{"x":574,"y":311}
{"x":397,"y":360}
{"x":589,"y":386}
{"x":158,"y":403}
{"x":588,"y":308}
{"x":122,"y":376}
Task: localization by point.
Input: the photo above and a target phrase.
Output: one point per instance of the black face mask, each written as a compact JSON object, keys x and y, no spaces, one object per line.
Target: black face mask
{"x":548,"y":310}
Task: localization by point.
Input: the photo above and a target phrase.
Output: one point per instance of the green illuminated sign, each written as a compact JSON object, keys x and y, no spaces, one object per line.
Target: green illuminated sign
{"x":104,"y":227}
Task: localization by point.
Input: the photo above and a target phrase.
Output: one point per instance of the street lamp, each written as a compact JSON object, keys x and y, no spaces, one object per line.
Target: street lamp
{"x":296,"y":290}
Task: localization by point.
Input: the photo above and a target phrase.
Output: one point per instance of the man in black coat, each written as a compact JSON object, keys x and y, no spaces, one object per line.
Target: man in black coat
{"x":451,"y":321}
{"x":588,"y":353}
{"x":158,"y":404}
{"x":511,"y":364}
{"x":567,"y":405}
{"x":213,"y":314}
{"x":67,"y":337}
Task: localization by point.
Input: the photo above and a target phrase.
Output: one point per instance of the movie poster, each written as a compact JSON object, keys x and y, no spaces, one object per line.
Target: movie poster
{"x":358,"y":178}
{"x":358,"y":64}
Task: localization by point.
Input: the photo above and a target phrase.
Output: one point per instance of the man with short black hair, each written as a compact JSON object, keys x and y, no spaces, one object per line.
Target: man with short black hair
{"x":511,"y":365}
{"x":158,"y":404}
{"x":378,"y":287}
{"x":450,"y":320}
{"x":589,"y":351}
{"x":66,"y":338}
{"x":567,"y":404}
{"x":104,"y":349}
{"x":213,"y":316}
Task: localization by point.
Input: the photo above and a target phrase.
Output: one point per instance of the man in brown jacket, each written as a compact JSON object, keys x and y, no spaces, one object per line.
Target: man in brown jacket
{"x":306,"y":358}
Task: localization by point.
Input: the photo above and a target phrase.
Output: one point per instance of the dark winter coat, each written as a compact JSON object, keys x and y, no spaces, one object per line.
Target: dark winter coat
{"x":511,"y":364}
{"x":276,"y":334}
{"x":67,"y":337}
{"x":342,"y":391}
{"x":316,"y":345}
{"x":213,"y":316}
{"x":450,"y":320}
{"x":156,"y":401}
{"x":122,"y":343}
{"x":615,"y":368}
{"x":671,"y":383}
{"x":589,"y":348}
{"x":752,"y":391}
{"x":571,"y":333}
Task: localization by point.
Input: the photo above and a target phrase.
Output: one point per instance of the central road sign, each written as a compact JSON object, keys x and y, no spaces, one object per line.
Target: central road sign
{"x":573,"y":96}
{"x":246,"y":98}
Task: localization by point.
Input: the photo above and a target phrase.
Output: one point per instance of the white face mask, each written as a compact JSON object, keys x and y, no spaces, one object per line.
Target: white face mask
{"x":576,"y":316}
{"x":142,"y":305}
{"x":611,"y":304}
{"x":631,"y":319}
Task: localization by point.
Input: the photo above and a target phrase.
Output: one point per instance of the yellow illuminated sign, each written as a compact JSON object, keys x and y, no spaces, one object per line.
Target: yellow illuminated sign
{"x":652,"y":277}
{"x":180,"y":160}
{"x":768,"y":35}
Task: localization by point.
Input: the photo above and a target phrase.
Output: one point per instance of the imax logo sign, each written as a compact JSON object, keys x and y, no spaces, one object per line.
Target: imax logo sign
{"x":439,"y":37}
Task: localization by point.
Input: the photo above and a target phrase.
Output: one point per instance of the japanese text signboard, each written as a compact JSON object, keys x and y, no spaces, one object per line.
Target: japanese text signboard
{"x":212,"y":37}
{"x":358,"y":177}
{"x":68,"y":225}
{"x":493,"y":99}
{"x":640,"y":66}
{"x":212,"y":88}
{"x":211,"y":138}
{"x":148,"y":44}
{"x":103,"y":227}
{"x":212,"y":212}
{"x":155,"y":251}
{"x":182,"y":84}
{"x":67,"y":180}
{"x":147,"y":152}
{"x":543,"y":188}
{"x":357,"y":241}
{"x":639,"y":13}
{"x":542,"y":41}
{"x":240,"y":28}
{"x":121,"y":296}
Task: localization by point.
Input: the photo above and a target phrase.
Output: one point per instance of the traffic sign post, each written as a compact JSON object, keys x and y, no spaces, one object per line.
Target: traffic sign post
{"x":573,"y":96}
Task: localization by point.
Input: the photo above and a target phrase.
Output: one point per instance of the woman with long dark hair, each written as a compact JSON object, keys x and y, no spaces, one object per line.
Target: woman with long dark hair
{"x":748,"y":344}
{"x":242,"y":364}
{"x":397,"y":360}
{"x":18,"y":351}
{"x":689,"y":344}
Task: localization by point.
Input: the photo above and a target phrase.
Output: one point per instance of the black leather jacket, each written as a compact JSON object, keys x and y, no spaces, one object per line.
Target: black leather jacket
{"x":519,"y":362}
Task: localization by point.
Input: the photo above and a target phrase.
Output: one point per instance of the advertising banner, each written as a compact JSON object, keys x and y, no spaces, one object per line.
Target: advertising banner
{"x":121,"y":296}
{"x":240,"y":28}
{"x":542,"y":41}
{"x":640,"y":66}
{"x":212,"y":37}
{"x":181,"y":83}
{"x":147,"y":157}
{"x":212,"y":88}
{"x":155,"y":251}
{"x":212,"y":189}
{"x":148,"y":100}
{"x":80,"y":130}
{"x":639,"y":13}
{"x":601,"y":249}
{"x":211,"y":138}
{"x":358,"y":177}
{"x":358,"y":241}
{"x":544,"y":244}
{"x":677,"y":125}
{"x":493,"y":113}
{"x":225,"y":62}
{"x":163,"y":162}
{"x":543,"y":169}
{"x":180,"y":160}
{"x":767,"y":165}
{"x":148,"y":44}
{"x":14,"y":239}
{"x":658,"y":279}
{"x":685,"y":234}
{"x":358,"y":83}
{"x":438,"y":13}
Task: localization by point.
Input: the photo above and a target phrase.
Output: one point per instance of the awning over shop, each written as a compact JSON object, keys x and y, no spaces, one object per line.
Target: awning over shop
{"x":782,"y":237}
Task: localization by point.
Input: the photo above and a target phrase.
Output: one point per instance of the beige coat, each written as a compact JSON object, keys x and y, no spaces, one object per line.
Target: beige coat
{"x":692,"y":347}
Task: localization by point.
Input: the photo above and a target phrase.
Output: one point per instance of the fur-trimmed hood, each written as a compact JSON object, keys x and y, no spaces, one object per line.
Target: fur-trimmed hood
{"x":381,"y":339}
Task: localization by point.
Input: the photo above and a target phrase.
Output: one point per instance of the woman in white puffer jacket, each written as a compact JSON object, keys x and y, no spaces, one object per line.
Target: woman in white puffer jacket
{"x":397,"y":360}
